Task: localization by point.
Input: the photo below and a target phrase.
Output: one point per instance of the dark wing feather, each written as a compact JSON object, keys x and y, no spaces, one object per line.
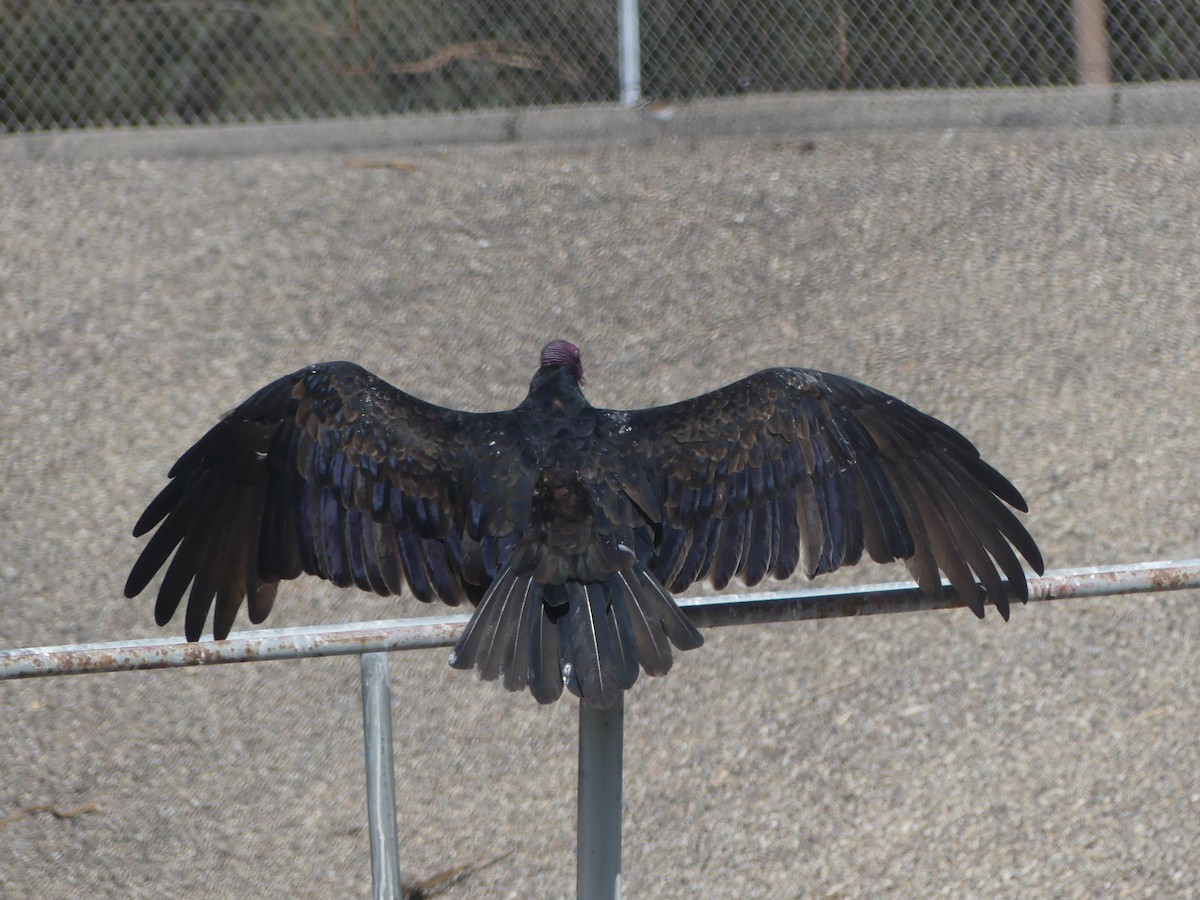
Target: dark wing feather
{"x":332,"y":472}
{"x":794,"y":466}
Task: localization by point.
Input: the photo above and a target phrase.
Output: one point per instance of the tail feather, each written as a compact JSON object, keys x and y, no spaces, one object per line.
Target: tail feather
{"x":497,"y":646}
{"x":653,"y":646}
{"x":622,"y":626}
{"x":660,"y":607}
{"x":591,"y":637}
{"x":566,"y":652}
{"x":512,"y":636}
{"x":545,"y":670}
{"x":471,"y":649}
{"x":516,"y":656}
{"x":604,"y":663}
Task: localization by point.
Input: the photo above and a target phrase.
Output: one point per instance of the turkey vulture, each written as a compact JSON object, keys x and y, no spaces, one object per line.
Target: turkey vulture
{"x":567,"y":526}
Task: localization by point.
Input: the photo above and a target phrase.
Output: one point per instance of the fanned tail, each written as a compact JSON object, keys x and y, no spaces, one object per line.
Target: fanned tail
{"x":591,"y":637}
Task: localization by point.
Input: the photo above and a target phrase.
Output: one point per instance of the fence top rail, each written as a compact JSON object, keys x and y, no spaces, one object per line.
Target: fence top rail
{"x":443,"y":631}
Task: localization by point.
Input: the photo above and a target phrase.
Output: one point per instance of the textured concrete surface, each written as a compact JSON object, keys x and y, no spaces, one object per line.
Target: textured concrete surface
{"x":1035,"y":288}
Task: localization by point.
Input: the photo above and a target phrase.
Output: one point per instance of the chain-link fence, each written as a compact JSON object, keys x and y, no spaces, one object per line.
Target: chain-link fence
{"x":73,"y":63}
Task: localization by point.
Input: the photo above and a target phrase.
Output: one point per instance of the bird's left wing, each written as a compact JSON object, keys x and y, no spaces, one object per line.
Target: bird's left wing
{"x":333,"y":472}
{"x":794,"y":465}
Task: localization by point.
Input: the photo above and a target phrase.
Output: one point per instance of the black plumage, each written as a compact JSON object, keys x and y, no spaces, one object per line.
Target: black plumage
{"x":566,"y":525}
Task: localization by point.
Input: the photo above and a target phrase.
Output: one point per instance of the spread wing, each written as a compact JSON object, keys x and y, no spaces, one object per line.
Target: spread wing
{"x":794,"y":466}
{"x":333,"y":472}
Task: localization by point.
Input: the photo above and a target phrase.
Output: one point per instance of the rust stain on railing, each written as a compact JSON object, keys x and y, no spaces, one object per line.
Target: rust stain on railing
{"x":284,"y":643}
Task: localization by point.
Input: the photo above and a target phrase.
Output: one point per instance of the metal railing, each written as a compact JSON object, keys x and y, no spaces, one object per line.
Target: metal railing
{"x":81,"y":63}
{"x":598,"y":839}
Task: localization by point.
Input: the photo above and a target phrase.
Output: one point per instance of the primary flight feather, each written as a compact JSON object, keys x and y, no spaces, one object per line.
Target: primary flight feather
{"x":570,"y":527}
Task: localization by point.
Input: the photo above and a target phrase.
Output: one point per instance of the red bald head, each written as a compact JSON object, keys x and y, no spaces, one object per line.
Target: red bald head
{"x":563,"y":353}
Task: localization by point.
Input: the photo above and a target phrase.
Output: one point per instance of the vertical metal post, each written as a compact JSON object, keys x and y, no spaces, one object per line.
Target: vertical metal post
{"x":598,"y":835}
{"x":381,"y":778}
{"x":1091,"y":41}
{"x":628,"y":34}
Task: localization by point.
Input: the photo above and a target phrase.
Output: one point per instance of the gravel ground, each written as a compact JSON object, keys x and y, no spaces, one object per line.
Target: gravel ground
{"x":1034,"y":288}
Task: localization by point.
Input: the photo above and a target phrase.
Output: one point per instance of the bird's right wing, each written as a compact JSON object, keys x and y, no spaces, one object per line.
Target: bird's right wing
{"x":794,"y":465}
{"x":333,"y":472}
